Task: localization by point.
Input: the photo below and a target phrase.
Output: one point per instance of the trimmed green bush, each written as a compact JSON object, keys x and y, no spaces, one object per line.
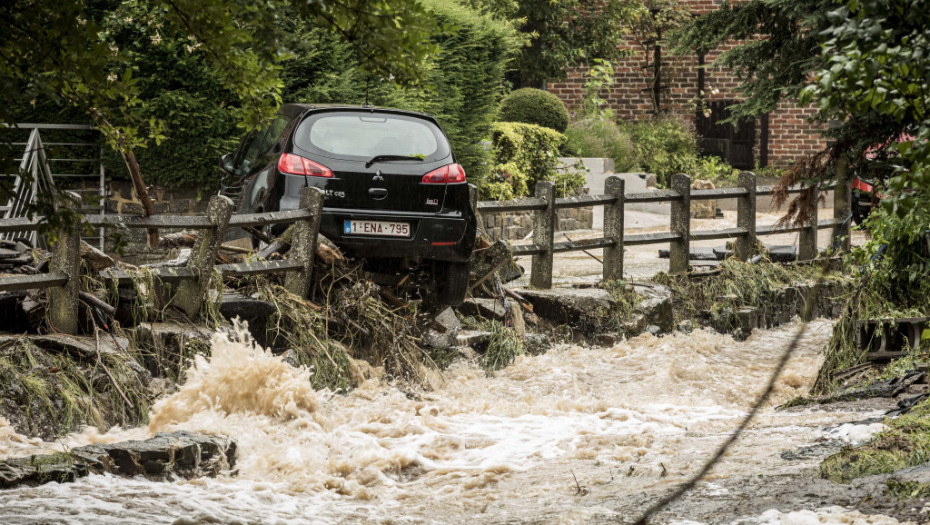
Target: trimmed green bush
{"x":716,"y":170}
{"x":665,"y":147}
{"x":534,"y":106}
{"x":525,"y":154}
{"x":602,"y":138}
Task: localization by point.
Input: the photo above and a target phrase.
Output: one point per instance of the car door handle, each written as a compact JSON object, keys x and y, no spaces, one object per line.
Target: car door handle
{"x":378,"y":193}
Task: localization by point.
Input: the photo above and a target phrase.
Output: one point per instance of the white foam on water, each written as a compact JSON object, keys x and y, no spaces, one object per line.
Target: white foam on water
{"x":611,"y":421}
{"x":855,"y":434}
{"x":823,"y":516}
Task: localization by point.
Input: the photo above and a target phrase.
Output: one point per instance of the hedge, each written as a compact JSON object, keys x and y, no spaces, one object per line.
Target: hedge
{"x":463,"y":87}
{"x":525,"y":154}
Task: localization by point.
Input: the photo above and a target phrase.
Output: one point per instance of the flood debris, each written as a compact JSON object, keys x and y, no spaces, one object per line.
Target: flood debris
{"x":738,"y":297}
{"x":164,"y":457}
{"x":19,"y":258}
{"x":54,"y":384}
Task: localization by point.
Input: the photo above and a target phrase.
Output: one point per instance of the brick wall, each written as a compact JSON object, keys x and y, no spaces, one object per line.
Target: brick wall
{"x":790,"y":136}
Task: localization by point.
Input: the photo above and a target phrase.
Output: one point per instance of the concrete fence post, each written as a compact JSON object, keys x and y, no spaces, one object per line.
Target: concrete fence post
{"x":543,"y":236}
{"x":842,"y":204}
{"x":807,"y":240}
{"x":680,"y":249}
{"x":746,"y":216}
{"x":190,"y":295}
{"x":613,"y":229}
{"x":63,"y":301}
{"x":303,"y":245}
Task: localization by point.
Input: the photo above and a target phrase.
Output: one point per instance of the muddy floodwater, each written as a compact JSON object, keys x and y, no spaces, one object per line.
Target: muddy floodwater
{"x":577,"y":435}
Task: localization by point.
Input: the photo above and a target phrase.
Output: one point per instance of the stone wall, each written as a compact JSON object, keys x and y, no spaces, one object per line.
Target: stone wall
{"x":123,"y":200}
{"x":517,"y":225}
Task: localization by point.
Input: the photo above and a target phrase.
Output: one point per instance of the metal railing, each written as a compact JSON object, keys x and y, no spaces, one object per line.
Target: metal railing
{"x":76,"y":159}
{"x":679,"y":235}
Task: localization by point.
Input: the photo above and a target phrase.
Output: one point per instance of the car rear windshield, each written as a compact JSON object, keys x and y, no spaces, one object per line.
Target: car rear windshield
{"x":362,"y":136}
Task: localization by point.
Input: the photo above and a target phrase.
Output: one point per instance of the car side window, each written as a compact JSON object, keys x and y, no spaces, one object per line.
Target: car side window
{"x":258,"y":143}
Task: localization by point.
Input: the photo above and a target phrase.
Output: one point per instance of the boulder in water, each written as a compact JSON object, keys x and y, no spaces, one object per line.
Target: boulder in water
{"x":185,"y":454}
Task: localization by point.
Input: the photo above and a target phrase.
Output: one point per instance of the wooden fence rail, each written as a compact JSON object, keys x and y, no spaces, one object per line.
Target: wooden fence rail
{"x":679,"y":235}
{"x":190,"y":281}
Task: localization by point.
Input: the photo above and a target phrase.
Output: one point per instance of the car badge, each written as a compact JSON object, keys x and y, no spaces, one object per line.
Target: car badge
{"x":377,"y":177}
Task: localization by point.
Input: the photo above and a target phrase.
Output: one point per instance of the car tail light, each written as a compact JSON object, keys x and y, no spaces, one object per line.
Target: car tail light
{"x":297,"y":165}
{"x":447,"y":174}
{"x":859,"y":184}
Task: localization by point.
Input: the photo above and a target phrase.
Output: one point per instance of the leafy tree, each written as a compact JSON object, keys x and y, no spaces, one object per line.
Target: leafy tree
{"x":68,"y":51}
{"x":878,"y":71}
{"x":778,"y":51}
{"x":564,"y":33}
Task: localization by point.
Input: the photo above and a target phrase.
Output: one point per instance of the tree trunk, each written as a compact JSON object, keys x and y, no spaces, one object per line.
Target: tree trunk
{"x":135,"y":173}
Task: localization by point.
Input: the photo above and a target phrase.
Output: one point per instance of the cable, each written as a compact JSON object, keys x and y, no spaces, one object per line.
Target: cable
{"x":688,"y":485}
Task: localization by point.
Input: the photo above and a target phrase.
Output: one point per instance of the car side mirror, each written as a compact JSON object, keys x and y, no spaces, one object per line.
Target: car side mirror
{"x":226,"y":164}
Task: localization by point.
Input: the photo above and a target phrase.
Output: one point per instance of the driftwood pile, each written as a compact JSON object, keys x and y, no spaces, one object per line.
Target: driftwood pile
{"x":19,"y":258}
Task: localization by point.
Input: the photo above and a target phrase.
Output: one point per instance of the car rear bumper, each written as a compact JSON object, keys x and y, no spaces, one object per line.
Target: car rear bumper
{"x":441,"y":236}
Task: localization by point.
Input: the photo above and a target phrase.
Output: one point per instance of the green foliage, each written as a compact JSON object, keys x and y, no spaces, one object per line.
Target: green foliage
{"x":602,"y":138}
{"x":905,"y":444}
{"x":201,"y":118}
{"x":665,"y":147}
{"x":600,"y":78}
{"x":778,"y":47}
{"x":564,"y":33}
{"x":188,"y":69}
{"x":463,"y":84}
{"x":715,"y":170}
{"x":534,"y":106}
{"x":525,"y":154}
{"x":879,"y":71}
{"x":503,"y":348}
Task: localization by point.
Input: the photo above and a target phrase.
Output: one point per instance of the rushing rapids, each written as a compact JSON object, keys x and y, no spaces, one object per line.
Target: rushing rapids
{"x":577,"y":435}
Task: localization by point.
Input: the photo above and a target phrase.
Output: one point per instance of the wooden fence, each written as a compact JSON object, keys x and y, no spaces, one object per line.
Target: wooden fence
{"x":679,"y":235}
{"x":190,"y":281}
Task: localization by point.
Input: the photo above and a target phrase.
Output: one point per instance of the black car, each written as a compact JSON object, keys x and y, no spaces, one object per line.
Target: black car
{"x":394,"y":194}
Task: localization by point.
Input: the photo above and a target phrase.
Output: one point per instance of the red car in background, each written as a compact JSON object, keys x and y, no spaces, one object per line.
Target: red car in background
{"x":879,"y":164}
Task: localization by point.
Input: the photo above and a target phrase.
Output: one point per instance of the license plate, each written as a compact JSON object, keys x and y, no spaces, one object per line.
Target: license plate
{"x":380,"y":228}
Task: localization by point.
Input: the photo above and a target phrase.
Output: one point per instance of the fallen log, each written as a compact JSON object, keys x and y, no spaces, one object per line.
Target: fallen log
{"x":184,"y":239}
{"x":95,"y":258}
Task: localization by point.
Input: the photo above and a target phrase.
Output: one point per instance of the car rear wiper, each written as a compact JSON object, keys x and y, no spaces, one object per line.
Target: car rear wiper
{"x":382,"y":158}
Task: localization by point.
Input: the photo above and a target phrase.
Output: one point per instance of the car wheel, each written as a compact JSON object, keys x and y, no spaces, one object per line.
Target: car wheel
{"x":450,"y":283}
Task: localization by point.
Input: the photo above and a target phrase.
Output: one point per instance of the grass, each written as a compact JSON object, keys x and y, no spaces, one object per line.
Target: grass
{"x":841,"y":352}
{"x":51,"y":393}
{"x":905,"y":444}
{"x":352,"y":324}
{"x":625,"y":302}
{"x":503,"y":348}
{"x":738,"y":284}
